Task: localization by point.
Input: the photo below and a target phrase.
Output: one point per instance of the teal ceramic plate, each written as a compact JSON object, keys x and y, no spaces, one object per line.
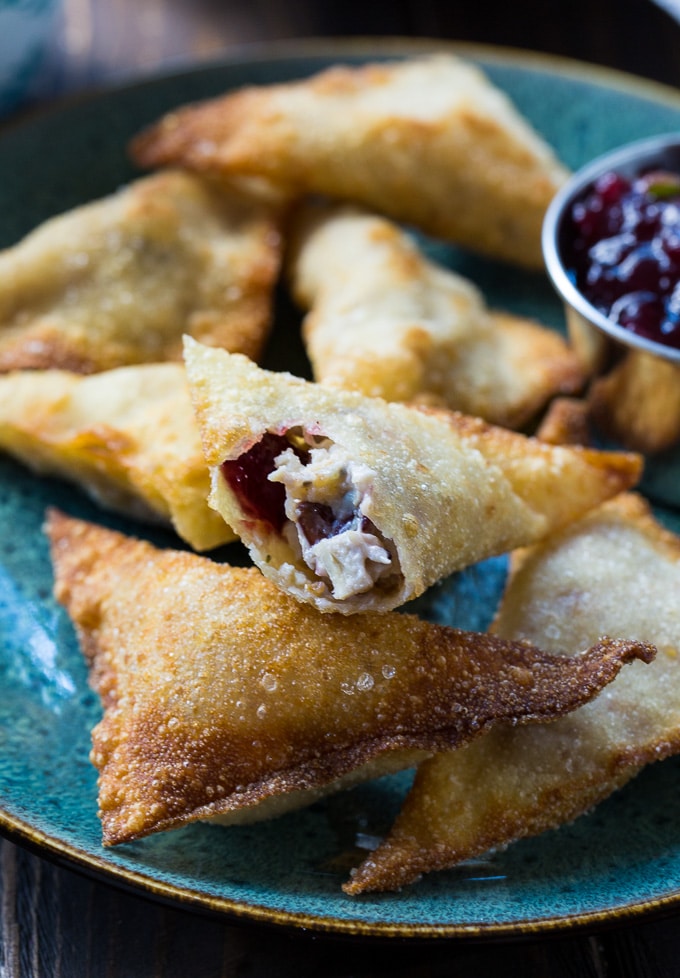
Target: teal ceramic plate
{"x":621,"y":860}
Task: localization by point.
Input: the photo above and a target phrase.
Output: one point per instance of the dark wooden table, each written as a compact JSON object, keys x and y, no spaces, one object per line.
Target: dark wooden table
{"x":105,"y":40}
{"x":58,"y":924}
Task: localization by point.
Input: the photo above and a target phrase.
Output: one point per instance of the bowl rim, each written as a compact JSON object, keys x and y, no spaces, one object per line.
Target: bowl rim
{"x":641,"y":150}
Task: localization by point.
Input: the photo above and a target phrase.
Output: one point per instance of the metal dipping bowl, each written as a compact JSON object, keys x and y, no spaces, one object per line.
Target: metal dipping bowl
{"x":634,"y":395}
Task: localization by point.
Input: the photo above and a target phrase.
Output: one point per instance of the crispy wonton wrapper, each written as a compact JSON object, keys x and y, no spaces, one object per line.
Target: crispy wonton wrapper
{"x":128,"y":437}
{"x":353,"y":503}
{"x":386,"y":321}
{"x":638,"y":402}
{"x":221,"y":695}
{"x":615,"y":572}
{"x":566,"y":422}
{"x":120,"y":280}
{"x":429,"y":141}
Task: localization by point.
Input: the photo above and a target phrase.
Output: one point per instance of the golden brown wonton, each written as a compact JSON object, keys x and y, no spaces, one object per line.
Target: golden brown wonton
{"x":429,"y":141}
{"x":566,"y":422}
{"x":128,"y":437}
{"x":386,"y":321}
{"x":223,"y":696}
{"x":353,"y":503}
{"x":120,"y":280}
{"x":616,"y":572}
{"x":638,"y":402}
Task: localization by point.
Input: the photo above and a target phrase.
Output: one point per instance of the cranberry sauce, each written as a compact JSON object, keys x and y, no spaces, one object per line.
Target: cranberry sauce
{"x":621,"y":245}
{"x":246,"y":476}
{"x":318,"y":521}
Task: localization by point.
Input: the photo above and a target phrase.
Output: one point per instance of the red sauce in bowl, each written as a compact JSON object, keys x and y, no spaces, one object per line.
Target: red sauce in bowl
{"x":621,"y":247}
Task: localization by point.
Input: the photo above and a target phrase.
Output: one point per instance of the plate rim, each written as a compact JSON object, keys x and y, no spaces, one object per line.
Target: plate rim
{"x":18,"y":829}
{"x":74,"y":858}
{"x":292,"y":49}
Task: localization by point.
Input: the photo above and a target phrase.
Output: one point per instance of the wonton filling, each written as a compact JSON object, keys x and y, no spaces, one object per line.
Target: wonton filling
{"x":310,"y":492}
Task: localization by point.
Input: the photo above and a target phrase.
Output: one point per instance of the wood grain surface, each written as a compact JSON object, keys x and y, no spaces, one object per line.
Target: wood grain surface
{"x":104,"y":40}
{"x":57,"y":924}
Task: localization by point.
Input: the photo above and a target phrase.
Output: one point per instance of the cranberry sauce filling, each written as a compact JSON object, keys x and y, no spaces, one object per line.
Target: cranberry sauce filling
{"x":318,"y":522}
{"x":621,"y":244}
{"x":246,"y":476}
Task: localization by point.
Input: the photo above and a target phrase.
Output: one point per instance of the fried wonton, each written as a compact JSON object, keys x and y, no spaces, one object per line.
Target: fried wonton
{"x":353,"y":503}
{"x":222,"y":696}
{"x":128,"y":437}
{"x":566,"y":422}
{"x":120,"y":280}
{"x":386,"y":321}
{"x":428,"y":141}
{"x":616,"y":572}
{"x":638,"y":402}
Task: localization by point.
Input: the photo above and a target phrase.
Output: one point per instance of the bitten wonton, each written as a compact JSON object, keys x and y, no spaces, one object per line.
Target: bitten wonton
{"x":223,"y":697}
{"x":120,"y":280}
{"x":354,"y":503}
{"x":428,"y":141}
{"x":616,"y":572}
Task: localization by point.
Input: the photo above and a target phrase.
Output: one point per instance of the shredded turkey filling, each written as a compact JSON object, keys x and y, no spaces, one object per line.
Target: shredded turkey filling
{"x":327,"y":495}
{"x":306,"y":488}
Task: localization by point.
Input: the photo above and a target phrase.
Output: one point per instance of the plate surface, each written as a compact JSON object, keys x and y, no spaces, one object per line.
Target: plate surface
{"x":621,"y":860}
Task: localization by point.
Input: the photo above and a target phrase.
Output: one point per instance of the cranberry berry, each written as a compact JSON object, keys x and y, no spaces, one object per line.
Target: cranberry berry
{"x":622,"y":245}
